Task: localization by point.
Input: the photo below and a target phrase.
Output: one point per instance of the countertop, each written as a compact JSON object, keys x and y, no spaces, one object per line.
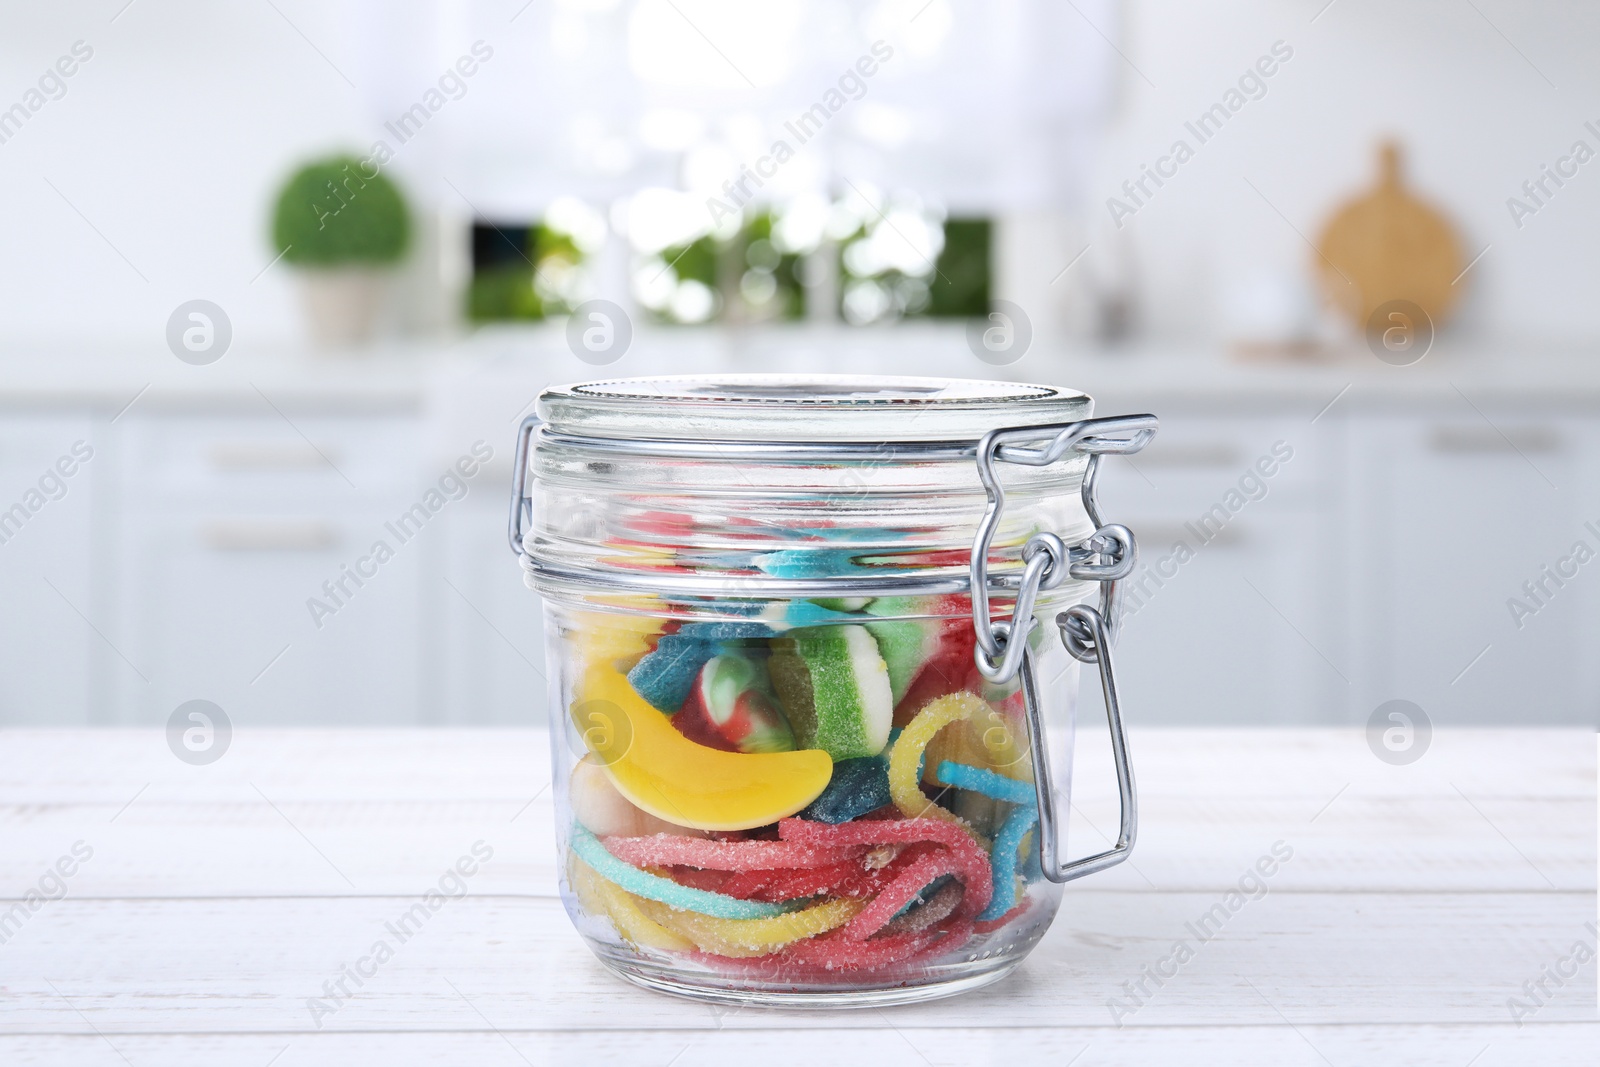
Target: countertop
{"x":1419,"y":908}
{"x":508,"y":367}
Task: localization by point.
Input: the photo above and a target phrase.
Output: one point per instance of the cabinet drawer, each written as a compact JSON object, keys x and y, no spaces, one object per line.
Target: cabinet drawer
{"x":1194,"y":463}
{"x":267,"y":459}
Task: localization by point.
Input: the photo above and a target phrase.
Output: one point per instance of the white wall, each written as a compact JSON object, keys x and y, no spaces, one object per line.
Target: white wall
{"x":1476,"y":115}
{"x":172,"y":139}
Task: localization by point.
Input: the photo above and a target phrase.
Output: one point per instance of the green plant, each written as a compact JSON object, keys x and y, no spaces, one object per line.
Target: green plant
{"x":340,"y":211}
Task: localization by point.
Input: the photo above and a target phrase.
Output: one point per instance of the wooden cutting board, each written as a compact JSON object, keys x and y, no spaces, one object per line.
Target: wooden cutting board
{"x":1389,"y":244}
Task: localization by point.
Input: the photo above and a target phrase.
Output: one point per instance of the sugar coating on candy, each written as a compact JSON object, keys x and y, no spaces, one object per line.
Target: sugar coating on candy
{"x":666,"y":850}
{"x":835,"y":687}
{"x":846,"y":879}
{"x":665,"y":890}
{"x":906,"y":645}
{"x":665,"y":676}
{"x":906,"y":888}
{"x":990,"y":784}
{"x":990,"y":739}
{"x":599,"y":897}
{"x":972,"y":862}
{"x":857,"y":787}
{"x":905,"y":758}
{"x":1007,"y":843}
{"x":835,"y":952}
{"x":935,"y":909}
{"x":753,"y":937}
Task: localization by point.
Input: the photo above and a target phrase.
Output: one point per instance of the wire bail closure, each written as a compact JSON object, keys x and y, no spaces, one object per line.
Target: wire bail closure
{"x":1106,"y":556}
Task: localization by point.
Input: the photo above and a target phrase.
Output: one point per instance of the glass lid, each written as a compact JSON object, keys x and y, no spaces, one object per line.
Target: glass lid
{"x":800,"y":407}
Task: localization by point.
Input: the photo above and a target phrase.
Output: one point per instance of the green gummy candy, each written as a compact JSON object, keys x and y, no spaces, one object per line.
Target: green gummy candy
{"x":905,"y":645}
{"x":834,"y":685}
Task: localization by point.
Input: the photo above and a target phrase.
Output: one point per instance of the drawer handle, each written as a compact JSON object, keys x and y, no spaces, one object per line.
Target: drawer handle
{"x":267,"y":456}
{"x":1467,"y":440}
{"x":257,"y":536}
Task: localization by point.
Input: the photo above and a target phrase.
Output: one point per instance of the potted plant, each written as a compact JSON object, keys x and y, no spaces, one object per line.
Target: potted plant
{"x":342,"y":223}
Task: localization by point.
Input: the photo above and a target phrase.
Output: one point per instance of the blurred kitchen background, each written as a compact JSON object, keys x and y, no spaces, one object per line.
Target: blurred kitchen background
{"x":1352,"y":500}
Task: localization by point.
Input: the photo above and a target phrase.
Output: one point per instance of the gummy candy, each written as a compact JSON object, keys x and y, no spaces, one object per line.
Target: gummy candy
{"x":1007,"y":843}
{"x":990,"y":784}
{"x":665,"y":850}
{"x":753,"y":937}
{"x":598,"y":896}
{"x":972,"y":862}
{"x":938,"y":660}
{"x":927,"y":869}
{"x":935,"y":909}
{"x":835,"y":687}
{"x":906,"y":756}
{"x":654,"y":887}
{"x":731,"y":707}
{"x":857,"y":787}
{"x":675,"y":807}
{"x":686,"y":784}
{"x":665,"y":676}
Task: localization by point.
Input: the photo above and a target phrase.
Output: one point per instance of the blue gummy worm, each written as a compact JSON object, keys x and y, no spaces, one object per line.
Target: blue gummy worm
{"x":654,"y":887}
{"x":1003,"y":860}
{"x":858,"y":786}
{"x":990,"y":784}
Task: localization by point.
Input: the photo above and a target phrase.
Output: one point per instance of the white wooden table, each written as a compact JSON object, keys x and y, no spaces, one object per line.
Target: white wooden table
{"x":219,"y":900}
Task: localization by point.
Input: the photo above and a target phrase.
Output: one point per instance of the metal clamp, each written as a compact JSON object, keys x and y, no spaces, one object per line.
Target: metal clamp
{"x":521,"y":503}
{"x":1107,"y":555}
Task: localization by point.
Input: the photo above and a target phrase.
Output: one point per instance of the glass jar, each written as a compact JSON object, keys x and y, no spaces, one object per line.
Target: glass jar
{"x":799,"y":743}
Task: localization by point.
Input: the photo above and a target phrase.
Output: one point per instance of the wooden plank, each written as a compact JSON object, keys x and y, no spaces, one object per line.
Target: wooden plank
{"x":249,"y":847}
{"x":106,"y":767}
{"x":797,"y":1045}
{"x":302,"y":811}
{"x":164,"y":966}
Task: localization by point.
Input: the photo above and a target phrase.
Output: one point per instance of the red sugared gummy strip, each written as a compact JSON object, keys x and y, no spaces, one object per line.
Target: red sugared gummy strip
{"x":849,"y":878}
{"x":695,"y":878}
{"x":784,"y":885}
{"x":670,"y":850}
{"x":971,"y":862}
{"x":833,"y":952}
{"x":900,"y":892}
{"x":937,"y":909}
{"x":837,"y":952}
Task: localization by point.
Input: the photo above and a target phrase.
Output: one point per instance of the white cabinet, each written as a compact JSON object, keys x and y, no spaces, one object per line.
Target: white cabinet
{"x":1457,"y":516}
{"x":50,"y":609}
{"x":275,"y":569}
{"x":1228,"y":616}
{"x":491,"y":632}
{"x":1324,"y":567}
